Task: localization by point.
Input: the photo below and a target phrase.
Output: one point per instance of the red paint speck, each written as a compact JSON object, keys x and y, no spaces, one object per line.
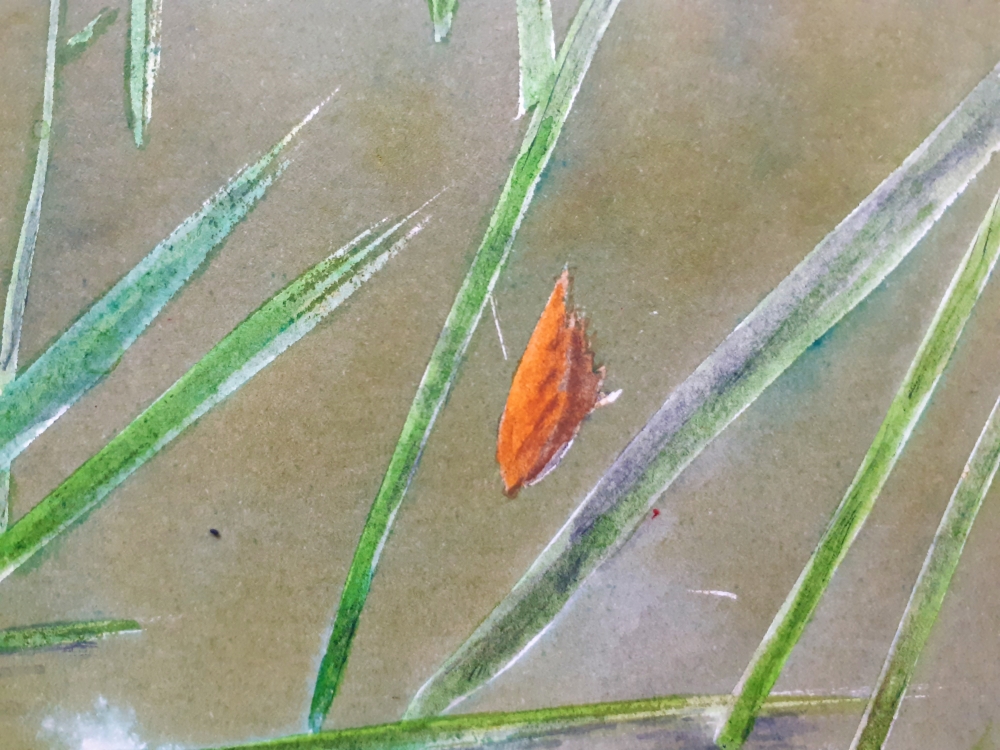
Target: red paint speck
{"x":656,"y":512}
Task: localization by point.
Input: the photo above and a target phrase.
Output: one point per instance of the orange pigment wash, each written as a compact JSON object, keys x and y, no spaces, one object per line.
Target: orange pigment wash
{"x":554,"y":389}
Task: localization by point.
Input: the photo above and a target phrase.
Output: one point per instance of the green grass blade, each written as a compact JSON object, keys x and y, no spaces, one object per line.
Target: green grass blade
{"x":142,"y":63}
{"x":931,"y":586}
{"x":904,"y":412}
{"x":841,"y":271}
{"x":537,"y":44}
{"x":88,"y":350}
{"x":51,"y":635}
{"x":543,"y":131}
{"x":276,"y":325}
{"x":83,"y":39}
{"x":17,"y":292}
{"x":479,"y":730}
{"x":442,"y":12}
{"x":85,"y":36}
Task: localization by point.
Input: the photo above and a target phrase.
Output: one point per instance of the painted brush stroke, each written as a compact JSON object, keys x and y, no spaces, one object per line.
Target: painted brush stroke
{"x":142,"y":63}
{"x":442,"y":13}
{"x":689,"y":714}
{"x":931,"y":586}
{"x":841,"y":271}
{"x":904,"y":412}
{"x":89,"y":33}
{"x":17,"y":292}
{"x":20,"y":275}
{"x":92,"y":346}
{"x":253,"y":344}
{"x":578,"y":50}
{"x":537,"y":46}
{"x":555,"y":387}
{"x":62,"y":634}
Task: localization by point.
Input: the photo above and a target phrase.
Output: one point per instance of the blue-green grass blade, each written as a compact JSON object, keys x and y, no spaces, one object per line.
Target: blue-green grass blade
{"x":251,"y":346}
{"x":92,"y":346}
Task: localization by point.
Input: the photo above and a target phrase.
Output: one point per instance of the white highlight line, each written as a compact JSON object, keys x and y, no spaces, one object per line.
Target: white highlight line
{"x":714,"y":592}
{"x":496,"y":321}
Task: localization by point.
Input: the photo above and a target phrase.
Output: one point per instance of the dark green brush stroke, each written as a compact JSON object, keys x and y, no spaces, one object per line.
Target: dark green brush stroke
{"x":841,"y":271}
{"x":32,"y":637}
{"x":85,"y":38}
{"x":276,"y":325}
{"x":92,"y":346}
{"x":932,"y":584}
{"x":480,"y":730}
{"x":543,"y":132}
{"x":904,"y":412}
{"x":442,"y":13}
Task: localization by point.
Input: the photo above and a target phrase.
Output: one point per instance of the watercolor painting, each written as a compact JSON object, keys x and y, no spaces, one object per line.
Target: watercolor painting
{"x":314,"y":318}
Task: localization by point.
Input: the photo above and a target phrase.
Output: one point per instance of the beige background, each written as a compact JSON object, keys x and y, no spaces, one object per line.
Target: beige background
{"x":712,"y":145}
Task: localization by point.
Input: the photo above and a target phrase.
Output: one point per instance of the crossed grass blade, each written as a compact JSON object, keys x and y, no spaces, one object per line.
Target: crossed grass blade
{"x":904,"y":412}
{"x":840,"y":272}
{"x":92,"y":346}
{"x":577,"y":51}
{"x":252,"y":345}
{"x":931,"y":587}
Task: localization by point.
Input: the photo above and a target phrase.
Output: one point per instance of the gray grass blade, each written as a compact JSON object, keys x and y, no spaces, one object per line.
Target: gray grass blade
{"x":841,"y":271}
{"x":251,"y":346}
{"x":91,"y":347}
{"x":537,"y":46}
{"x":904,"y":412}
{"x":585,"y":33}
{"x":929,"y":591}
{"x":62,"y":634}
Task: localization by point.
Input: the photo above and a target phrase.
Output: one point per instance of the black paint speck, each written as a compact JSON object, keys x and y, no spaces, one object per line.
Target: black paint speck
{"x":215,"y":533}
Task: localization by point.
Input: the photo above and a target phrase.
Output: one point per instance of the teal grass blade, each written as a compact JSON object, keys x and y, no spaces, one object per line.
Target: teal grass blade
{"x":442,"y":13}
{"x":480,"y":730}
{"x":439,"y":377}
{"x":931,"y":586}
{"x":537,"y":47}
{"x":276,"y":325}
{"x":142,"y":62}
{"x":92,"y":346}
{"x":904,"y":412}
{"x":52,"y":635}
{"x":840,"y":272}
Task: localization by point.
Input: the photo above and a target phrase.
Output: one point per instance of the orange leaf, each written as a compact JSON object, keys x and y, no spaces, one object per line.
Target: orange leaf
{"x":554,"y":389}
